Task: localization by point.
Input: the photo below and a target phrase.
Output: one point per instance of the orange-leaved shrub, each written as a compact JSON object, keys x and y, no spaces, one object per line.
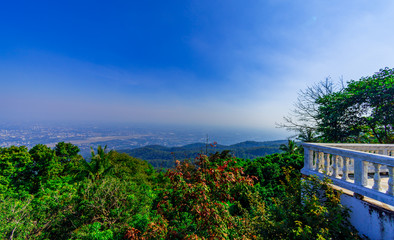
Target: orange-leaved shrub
{"x":209,"y":199}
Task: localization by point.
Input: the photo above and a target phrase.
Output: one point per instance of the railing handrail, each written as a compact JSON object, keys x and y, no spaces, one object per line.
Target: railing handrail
{"x":352,"y":144}
{"x":360,"y":146}
{"x":351,"y":153}
{"x":318,"y":161}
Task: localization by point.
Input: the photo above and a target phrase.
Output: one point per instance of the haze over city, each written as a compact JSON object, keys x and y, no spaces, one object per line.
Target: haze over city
{"x":235,"y":64}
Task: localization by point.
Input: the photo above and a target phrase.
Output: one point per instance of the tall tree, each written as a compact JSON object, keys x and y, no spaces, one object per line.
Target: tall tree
{"x":68,"y":156}
{"x":362,"y":112}
{"x":291,"y":147}
{"x":303,"y":119}
{"x":45,"y":165}
{"x":359,"y":111}
{"x":98,"y":166}
{"x":15,"y":163}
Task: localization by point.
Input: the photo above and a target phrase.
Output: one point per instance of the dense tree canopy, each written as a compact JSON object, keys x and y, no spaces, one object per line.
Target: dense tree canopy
{"x":359,"y":111}
{"x":362,"y":112}
{"x":55,"y":194}
{"x":15,"y":168}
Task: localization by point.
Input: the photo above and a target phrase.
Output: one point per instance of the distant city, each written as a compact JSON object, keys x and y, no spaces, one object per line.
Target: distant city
{"x":119,"y":136}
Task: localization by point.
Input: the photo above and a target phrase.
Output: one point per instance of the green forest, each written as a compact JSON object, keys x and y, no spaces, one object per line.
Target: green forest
{"x":163,"y":157}
{"x":359,"y":111}
{"x":55,"y":193}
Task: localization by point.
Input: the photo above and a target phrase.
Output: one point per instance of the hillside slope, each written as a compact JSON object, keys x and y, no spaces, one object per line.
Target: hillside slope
{"x":164,"y":157}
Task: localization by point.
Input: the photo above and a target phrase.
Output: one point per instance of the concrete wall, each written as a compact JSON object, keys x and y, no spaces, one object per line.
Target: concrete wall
{"x":370,"y":220}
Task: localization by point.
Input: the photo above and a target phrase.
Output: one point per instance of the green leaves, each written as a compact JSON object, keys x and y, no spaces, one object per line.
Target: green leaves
{"x":15,"y":217}
{"x":94,"y":232}
{"x":361,"y":112}
{"x":122,"y":197}
{"x":310,"y":209}
{"x":15,"y":163}
{"x":291,"y":147}
{"x":45,"y":166}
{"x":98,"y":167}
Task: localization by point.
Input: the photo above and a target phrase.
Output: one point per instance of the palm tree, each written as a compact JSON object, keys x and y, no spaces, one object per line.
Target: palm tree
{"x":307,"y":135}
{"x":291,"y":147}
{"x":98,"y":166}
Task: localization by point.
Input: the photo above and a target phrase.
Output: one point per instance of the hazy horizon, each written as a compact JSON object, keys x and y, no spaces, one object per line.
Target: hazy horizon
{"x":87,"y":135}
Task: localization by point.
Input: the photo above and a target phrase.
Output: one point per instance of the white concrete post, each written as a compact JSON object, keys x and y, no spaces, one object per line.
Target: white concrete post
{"x":318,"y":161}
{"x":385,"y":152}
{"x":364,"y":173}
{"x":310,"y":159}
{"x":360,"y":172}
{"x":376,"y":185}
{"x":335,"y":166}
{"x":327,"y":166}
{"x":345,"y":171}
{"x":306,"y":158}
{"x":390,"y":190}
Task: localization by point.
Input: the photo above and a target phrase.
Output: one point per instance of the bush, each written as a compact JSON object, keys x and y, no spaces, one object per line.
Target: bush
{"x":209,"y":199}
{"x":310,"y":209}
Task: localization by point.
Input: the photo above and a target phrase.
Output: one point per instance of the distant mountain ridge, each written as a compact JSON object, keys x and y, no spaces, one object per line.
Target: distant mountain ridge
{"x":161,"y":156}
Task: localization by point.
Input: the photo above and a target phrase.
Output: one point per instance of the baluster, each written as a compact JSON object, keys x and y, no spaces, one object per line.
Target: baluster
{"x":317,"y":159}
{"x":376,"y":178}
{"x":390,"y":190}
{"x":385,"y":152}
{"x":327,"y":166}
{"x":340,"y":167}
{"x":306,"y":158}
{"x":310,"y":159}
{"x":345,"y":170}
{"x":364,"y":173}
{"x":314,"y":160}
{"x":360,"y":172}
{"x":321,"y":161}
{"x":335,"y":166}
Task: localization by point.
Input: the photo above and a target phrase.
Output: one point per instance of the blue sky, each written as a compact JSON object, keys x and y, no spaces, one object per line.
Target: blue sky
{"x":220,"y":63}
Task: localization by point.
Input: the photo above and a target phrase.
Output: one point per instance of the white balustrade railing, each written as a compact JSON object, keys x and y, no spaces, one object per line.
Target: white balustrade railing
{"x":357,"y":167}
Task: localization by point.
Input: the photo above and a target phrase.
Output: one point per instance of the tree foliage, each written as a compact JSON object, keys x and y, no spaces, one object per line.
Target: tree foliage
{"x":15,"y":166}
{"x":303,"y":119}
{"x":310,"y":209}
{"x":291,"y":147}
{"x":210,"y":199}
{"x":56,"y":194}
{"x":361,"y":111}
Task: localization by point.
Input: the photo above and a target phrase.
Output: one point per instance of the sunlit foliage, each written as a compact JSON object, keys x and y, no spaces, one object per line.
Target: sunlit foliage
{"x":55,"y":194}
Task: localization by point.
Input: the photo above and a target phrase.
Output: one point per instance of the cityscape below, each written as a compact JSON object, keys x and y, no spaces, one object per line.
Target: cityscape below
{"x":122,"y":136}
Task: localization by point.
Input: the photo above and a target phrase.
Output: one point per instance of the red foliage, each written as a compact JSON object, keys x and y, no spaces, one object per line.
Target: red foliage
{"x":133,"y":234}
{"x":203,"y":192}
